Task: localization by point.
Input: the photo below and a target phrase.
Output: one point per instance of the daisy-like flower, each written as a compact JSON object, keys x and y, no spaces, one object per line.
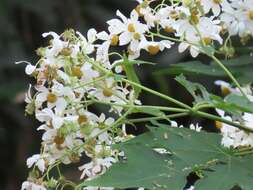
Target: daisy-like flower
{"x":203,"y":32}
{"x":109,"y":91}
{"x":29,"y":69}
{"x":54,"y":97}
{"x":129,"y":30}
{"x":237,"y":17}
{"x":95,"y":167}
{"x":214,"y":5}
{"x":47,"y":115}
{"x":56,"y":45}
{"x":87,"y":45}
{"x":154,"y":47}
{"x":36,"y":160}
{"x":232,"y":136}
{"x":27,"y":185}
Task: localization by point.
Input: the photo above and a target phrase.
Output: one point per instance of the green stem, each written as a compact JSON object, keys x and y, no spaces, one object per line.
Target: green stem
{"x":172,"y":109}
{"x":229,"y":74}
{"x":244,"y":153}
{"x":171,"y":116}
{"x":216,"y":118}
{"x":158,"y":94}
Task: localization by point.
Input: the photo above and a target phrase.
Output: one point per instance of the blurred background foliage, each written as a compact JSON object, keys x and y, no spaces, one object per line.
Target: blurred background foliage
{"x":22,"y":23}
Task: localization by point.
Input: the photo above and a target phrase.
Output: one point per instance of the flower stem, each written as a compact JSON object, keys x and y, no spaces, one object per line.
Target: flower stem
{"x":158,"y":94}
{"x":216,"y":118}
{"x":171,"y":116}
{"x":229,"y":74}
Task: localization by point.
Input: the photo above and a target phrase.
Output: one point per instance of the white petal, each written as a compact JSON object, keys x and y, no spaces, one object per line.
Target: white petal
{"x":91,"y":35}
{"x":103,"y":36}
{"x":182,"y":47}
{"x":194,"y":52}
{"x":30,"y":161}
{"x":29,"y":69}
{"x":119,"y":14}
{"x":134,"y":15}
{"x":124,"y":38}
{"x":41,"y":165}
{"x":57,"y":122}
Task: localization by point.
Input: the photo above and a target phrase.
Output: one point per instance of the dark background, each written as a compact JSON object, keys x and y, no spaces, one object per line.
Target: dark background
{"x":22,"y":23}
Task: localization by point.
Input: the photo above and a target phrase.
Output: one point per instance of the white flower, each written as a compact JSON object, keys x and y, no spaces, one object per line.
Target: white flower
{"x":214,"y":5}
{"x":87,"y":45}
{"x":57,"y":44}
{"x":96,"y":167}
{"x":47,"y":115}
{"x":207,"y":30}
{"x":194,"y":50}
{"x":102,"y":54}
{"x":54,"y":97}
{"x":234,"y":137}
{"x":154,"y":47}
{"x":27,"y":185}
{"x":29,"y":69}
{"x":38,"y":161}
{"x":195,"y":127}
{"x":238,"y":17}
{"x":109,"y":91}
{"x":129,"y":30}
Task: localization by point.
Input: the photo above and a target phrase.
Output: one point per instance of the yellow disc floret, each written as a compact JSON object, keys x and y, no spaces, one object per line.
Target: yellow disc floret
{"x":114,"y":40}
{"x":82,"y":119}
{"x":76,"y":71}
{"x":217,"y":1}
{"x":153,"y":49}
{"x":131,"y":27}
{"x":51,"y":98}
{"x":107,"y":92}
{"x":251,"y":14}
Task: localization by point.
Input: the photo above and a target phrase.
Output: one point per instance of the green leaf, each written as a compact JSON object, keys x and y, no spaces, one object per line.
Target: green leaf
{"x":241,"y":68}
{"x":131,"y":75}
{"x":235,"y":172}
{"x":233,"y":103}
{"x":240,"y":102}
{"x":197,"y":90}
{"x":189,"y":151}
{"x":149,"y":111}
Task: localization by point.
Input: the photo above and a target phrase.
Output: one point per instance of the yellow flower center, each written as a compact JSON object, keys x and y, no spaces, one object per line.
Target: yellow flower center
{"x":207,"y":40}
{"x":251,"y":14}
{"x":218,"y":124}
{"x":225,"y":91}
{"x":114,"y":40}
{"x":131,"y":28}
{"x":82,"y":119}
{"x":217,"y":1}
{"x":174,"y":14}
{"x":169,"y":29}
{"x":66,"y":51}
{"x":153,"y":49}
{"x":59,"y":139}
{"x":137,"y":36}
{"x":107,"y":92}
{"x":194,"y":17}
{"x":76,"y":71}
{"x":51,"y":98}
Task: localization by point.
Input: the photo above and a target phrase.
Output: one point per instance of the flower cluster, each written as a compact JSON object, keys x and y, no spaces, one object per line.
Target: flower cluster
{"x":233,"y":137}
{"x":76,"y":72}
{"x":68,"y":82}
